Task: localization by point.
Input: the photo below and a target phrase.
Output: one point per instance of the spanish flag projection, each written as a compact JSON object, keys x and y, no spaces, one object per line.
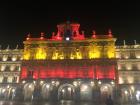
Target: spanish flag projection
{"x":69,"y":54}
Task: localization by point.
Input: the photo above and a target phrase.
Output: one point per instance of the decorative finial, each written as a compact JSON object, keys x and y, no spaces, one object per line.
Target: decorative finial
{"x":28,"y":36}
{"x":42,"y":35}
{"x":135,"y":42}
{"x":94,"y":33}
{"x":7,"y":47}
{"x":17,"y":46}
{"x":109,"y":32}
{"x":124,"y":42}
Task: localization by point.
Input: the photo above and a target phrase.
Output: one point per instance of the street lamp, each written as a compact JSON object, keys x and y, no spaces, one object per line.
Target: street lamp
{"x":99,"y":82}
{"x":41,"y":82}
{"x":112,"y":82}
{"x":125,"y":92}
{"x":63,"y":90}
{"x":23,"y":82}
{"x":92,"y":83}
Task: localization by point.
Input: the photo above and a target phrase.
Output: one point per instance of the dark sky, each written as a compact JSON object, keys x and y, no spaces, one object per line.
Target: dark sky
{"x":20,"y":18}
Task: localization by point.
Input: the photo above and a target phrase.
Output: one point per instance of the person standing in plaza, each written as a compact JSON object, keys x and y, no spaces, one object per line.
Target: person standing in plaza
{"x":109,"y":101}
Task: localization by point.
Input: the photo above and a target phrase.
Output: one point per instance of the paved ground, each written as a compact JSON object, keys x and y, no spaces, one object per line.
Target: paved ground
{"x":53,"y":103}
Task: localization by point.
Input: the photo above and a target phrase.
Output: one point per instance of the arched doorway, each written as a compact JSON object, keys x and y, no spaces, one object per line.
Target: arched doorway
{"x":106,"y":90}
{"x":45,"y":91}
{"x":8,"y":92}
{"x":66,"y":92}
{"x":85,"y":92}
{"x":12,"y":93}
{"x":125,"y":95}
{"x":28,"y":91}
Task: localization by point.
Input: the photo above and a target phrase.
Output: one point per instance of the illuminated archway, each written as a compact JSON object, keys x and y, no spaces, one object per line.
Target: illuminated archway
{"x":28,"y":91}
{"x":85,"y":92}
{"x":125,"y":95}
{"x":66,"y":92}
{"x":45,"y":91}
{"x":8,"y":92}
{"x":106,"y":90}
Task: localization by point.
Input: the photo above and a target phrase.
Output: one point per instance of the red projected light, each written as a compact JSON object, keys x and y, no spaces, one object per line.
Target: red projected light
{"x":71,"y":72}
{"x":105,"y":72}
{"x":24,"y":73}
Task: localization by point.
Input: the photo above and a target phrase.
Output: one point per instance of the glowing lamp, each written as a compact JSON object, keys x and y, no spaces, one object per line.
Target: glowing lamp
{"x":13,"y":90}
{"x":23,"y":81}
{"x":30,"y":86}
{"x":63,"y":90}
{"x":8,"y":86}
{"x":67,"y":38}
{"x":99,"y":82}
{"x":112,"y":82}
{"x":69,"y":89}
{"x":126,"y":92}
{"x":3,"y":90}
{"x":14,"y":58}
{"x":41,"y":82}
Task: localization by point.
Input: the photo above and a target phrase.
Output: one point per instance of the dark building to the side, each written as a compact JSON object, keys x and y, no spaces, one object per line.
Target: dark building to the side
{"x":69,"y":66}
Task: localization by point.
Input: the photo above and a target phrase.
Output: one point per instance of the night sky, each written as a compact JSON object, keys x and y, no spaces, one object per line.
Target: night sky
{"x":20,"y":18}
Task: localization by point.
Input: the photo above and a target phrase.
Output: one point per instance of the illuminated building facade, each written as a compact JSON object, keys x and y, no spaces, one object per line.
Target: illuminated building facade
{"x":10,"y":67}
{"x":70,"y":63}
{"x":69,"y":66}
{"x":129,"y":71}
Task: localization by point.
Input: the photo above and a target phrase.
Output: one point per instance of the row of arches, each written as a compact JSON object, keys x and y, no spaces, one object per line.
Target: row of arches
{"x":66,"y":92}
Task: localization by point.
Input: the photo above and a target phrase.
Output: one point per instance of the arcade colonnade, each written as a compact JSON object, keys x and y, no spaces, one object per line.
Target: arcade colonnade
{"x":76,"y":90}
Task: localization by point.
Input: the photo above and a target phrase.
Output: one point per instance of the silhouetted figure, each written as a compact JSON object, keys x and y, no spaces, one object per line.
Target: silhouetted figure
{"x":109,"y":101}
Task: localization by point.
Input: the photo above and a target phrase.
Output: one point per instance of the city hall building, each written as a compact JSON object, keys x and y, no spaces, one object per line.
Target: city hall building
{"x":69,"y":66}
